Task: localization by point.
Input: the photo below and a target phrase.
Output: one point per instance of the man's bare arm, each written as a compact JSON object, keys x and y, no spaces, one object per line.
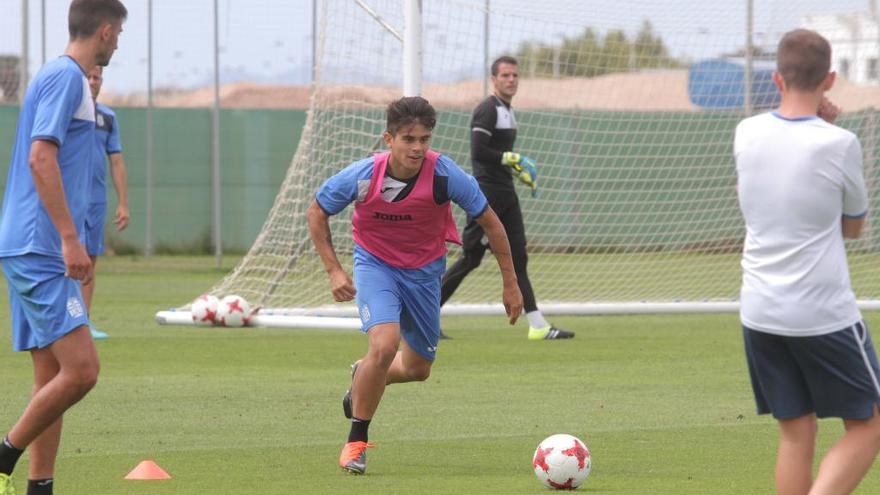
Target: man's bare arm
{"x":341,"y":284}
{"x":852,"y":227}
{"x":119,"y":174}
{"x":43,"y":161}
{"x":512,"y":297}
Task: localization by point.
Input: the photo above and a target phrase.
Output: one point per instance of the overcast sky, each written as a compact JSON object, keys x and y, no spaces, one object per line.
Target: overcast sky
{"x":271,"y":40}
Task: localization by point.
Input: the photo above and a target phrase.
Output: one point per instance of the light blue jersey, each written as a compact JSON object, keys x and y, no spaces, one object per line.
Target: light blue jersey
{"x":107,"y":143}
{"x":388,"y":294}
{"x":57,"y":107}
{"x":450,"y":183}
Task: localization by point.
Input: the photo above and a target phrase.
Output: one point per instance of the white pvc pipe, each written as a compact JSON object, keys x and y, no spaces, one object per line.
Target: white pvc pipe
{"x":270,"y":321}
{"x":345,"y":317}
{"x":412,"y":48}
{"x":378,"y":18}
{"x":24,"y":76}
{"x":747,"y":75}
{"x":216,"y":194}
{"x":486,"y":69}
{"x":148,"y":167}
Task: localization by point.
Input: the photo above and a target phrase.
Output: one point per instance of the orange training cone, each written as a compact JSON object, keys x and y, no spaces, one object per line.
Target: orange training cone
{"x":147,"y":470}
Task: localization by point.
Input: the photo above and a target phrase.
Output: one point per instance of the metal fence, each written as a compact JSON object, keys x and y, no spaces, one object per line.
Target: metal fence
{"x":212,"y":93}
{"x":176,"y":54}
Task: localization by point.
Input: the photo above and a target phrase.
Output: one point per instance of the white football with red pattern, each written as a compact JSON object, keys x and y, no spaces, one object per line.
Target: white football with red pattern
{"x":562,"y":462}
{"x":204,"y":310}
{"x":233,"y":311}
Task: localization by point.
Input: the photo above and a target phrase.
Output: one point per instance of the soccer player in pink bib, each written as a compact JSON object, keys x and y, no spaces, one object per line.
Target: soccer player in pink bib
{"x":402,"y":220}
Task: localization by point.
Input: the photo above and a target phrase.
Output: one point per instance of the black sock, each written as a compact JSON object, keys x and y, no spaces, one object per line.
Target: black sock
{"x":40,"y":487}
{"x":359,"y":428}
{"x":8,"y":456}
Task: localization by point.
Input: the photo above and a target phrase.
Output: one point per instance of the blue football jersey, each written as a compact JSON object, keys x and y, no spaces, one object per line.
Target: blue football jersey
{"x":451,"y":183}
{"x":107,"y":143}
{"x":57,"y":107}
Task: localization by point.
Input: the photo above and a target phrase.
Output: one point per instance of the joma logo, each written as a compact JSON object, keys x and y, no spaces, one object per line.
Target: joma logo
{"x":393,"y":218}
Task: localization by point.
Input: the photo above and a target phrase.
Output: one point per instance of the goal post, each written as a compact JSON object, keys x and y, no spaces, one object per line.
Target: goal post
{"x":629,"y":109}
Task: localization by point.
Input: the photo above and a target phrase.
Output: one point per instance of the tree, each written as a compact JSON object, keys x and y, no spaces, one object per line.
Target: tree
{"x":650,"y":51}
{"x":616,"y":52}
{"x":588,"y":56}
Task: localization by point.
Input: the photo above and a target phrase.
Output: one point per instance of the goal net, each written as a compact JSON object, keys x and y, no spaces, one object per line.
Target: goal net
{"x":628,"y":107}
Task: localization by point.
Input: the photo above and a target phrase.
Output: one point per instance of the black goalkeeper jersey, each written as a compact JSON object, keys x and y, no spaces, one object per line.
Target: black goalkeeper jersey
{"x":493,"y":131}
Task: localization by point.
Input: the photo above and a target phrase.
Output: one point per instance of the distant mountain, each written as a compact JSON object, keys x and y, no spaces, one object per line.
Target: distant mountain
{"x":301,"y":75}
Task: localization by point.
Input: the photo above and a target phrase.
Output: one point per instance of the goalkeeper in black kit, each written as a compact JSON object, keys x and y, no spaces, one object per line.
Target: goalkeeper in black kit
{"x":495,"y":165}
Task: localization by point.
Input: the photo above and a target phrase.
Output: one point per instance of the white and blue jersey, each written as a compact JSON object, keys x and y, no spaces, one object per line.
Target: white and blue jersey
{"x":57,"y":107}
{"x":796,"y":179}
{"x":107,"y":142}
{"x":45,"y":304}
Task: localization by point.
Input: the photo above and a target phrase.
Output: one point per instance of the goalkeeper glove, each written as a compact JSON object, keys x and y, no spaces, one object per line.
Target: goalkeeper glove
{"x":524,"y":168}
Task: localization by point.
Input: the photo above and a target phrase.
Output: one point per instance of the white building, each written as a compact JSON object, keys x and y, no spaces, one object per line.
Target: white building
{"x":855,"y":44}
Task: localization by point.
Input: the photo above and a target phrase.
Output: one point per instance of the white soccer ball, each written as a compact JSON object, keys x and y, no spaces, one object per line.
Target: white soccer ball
{"x":562,"y":462}
{"x":204,"y":310}
{"x":233,"y":311}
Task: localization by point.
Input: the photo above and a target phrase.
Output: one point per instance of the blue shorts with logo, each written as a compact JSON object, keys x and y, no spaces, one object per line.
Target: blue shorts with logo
{"x":410,"y":297}
{"x":831,"y":375}
{"x":44,"y":304}
{"x":94,"y":232}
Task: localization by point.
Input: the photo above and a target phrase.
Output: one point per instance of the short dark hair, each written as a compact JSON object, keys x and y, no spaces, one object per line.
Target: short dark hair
{"x":86,"y":16}
{"x":410,"y":110}
{"x":505,"y":59}
{"x":803,"y":59}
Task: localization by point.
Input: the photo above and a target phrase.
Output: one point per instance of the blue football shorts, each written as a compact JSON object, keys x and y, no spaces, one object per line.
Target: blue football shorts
{"x":94,"y":231}
{"x":410,"y":297}
{"x":44,"y":305}
{"x":831,"y":375}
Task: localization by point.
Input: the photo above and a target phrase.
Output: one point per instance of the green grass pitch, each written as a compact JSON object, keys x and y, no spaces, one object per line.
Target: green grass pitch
{"x":663,"y":403}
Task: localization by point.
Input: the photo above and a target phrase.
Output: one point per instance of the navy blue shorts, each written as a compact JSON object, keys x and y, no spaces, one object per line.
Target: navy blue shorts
{"x":831,"y":375}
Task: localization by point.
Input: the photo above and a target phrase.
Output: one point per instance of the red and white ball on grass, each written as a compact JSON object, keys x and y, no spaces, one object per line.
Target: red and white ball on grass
{"x":233,"y":311}
{"x":562,"y":462}
{"x":204,"y":310}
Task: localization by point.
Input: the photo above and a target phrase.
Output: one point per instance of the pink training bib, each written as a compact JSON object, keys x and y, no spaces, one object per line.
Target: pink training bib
{"x":409,"y":233}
